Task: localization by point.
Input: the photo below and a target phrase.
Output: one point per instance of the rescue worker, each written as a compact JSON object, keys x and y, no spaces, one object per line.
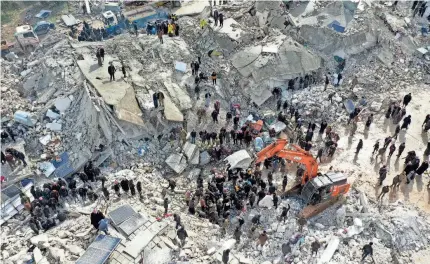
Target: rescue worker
{"x":396,"y":181}
{"x":384,"y":191}
{"x":166,"y":205}
{"x":359,"y":146}
{"x":111,"y":71}
{"x":262,"y":239}
{"x":367,"y":250}
{"x":401,"y":149}
{"x":407,"y":99}
{"x":392,"y":149}
{"x":382,"y":174}
{"x":182,"y":235}
{"x":284,"y":213}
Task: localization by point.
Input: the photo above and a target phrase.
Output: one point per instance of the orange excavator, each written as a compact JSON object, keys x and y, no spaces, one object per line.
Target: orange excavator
{"x":319,"y":191}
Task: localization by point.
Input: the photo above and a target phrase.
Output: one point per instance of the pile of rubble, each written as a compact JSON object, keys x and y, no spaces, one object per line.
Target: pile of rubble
{"x":60,"y":102}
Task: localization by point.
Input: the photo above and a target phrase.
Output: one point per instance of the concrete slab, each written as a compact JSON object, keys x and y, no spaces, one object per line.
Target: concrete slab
{"x":171,"y":111}
{"x":179,"y":95}
{"x":177,"y":162}
{"x":191,"y":8}
{"x":112,"y":92}
{"x":230,"y":27}
{"x":117,"y":93}
{"x":246,"y":56}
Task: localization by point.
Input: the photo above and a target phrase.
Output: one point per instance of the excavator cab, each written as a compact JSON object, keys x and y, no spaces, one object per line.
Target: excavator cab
{"x":324,"y":187}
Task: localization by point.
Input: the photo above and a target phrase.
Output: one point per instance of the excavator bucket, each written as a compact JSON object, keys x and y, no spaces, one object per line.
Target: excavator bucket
{"x":312,"y":210}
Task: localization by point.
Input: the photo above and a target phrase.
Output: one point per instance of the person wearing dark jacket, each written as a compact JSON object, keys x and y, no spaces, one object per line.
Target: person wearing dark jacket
{"x":111,"y":71}
{"x":116,"y":187}
{"x":407,"y":99}
{"x":182,"y":235}
{"x":17,"y":155}
{"x":166,"y":205}
{"x":132,"y":189}
{"x":367,"y":250}
{"x":139,"y":188}
{"x":225,"y":256}
{"x":406,"y":122}
{"x":221,"y":19}
{"x":105,"y":193}
{"x":359,"y":146}
{"x":102,"y":54}
{"x":95,"y":217}
{"x":124,"y":185}
{"x":401,"y":149}
{"x":63,"y":192}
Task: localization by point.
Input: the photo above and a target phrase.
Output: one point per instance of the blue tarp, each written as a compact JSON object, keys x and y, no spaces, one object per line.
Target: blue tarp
{"x":336,"y":26}
{"x":25,"y":182}
{"x":63,"y":167}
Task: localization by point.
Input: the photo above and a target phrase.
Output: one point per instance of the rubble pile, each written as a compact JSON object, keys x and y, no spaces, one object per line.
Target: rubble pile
{"x":60,"y":103}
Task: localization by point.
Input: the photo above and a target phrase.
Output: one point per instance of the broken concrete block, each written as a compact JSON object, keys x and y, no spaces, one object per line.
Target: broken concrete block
{"x":180,"y":66}
{"x":24,"y":118}
{"x":332,"y":246}
{"x":171,"y":111}
{"x":177,"y":162}
{"x":45,"y":139}
{"x":54,"y":126}
{"x":40,"y":238}
{"x":62,"y":104}
{"x":52,"y":115}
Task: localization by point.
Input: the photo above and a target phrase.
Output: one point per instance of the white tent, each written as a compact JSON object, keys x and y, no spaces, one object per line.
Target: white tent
{"x":239,"y":159}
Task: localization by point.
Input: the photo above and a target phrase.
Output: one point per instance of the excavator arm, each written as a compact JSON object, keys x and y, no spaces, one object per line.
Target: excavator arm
{"x":297,"y":154}
{"x":306,"y":159}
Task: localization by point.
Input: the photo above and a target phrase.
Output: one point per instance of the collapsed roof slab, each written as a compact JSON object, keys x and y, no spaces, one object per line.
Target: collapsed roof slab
{"x":116,"y":93}
{"x":230,"y":27}
{"x":191,"y":8}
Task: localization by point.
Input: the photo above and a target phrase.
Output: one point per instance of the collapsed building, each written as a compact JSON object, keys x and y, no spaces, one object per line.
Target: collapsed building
{"x":69,"y":109}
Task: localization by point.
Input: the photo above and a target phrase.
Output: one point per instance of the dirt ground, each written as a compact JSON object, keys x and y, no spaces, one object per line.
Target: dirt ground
{"x":25,"y":13}
{"x":363,"y":168}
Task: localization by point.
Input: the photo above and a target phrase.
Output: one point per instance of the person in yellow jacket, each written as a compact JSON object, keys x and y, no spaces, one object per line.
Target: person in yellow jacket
{"x":170,"y":29}
{"x":203,"y":23}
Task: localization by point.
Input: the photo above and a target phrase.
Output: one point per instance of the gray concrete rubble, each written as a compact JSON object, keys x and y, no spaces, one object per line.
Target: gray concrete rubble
{"x":271,"y":60}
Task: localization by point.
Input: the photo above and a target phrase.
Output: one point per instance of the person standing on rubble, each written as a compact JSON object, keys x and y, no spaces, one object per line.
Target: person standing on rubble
{"x":135,"y":28}
{"x":215,"y":15}
{"x":166,"y":205}
{"x":139,"y":188}
{"x":225,"y":254}
{"x":382,"y":174}
{"x":392,"y":149}
{"x":207,"y":99}
{"x":406,"y":122}
{"x":359,"y":147}
{"x":160,"y":36}
{"x":99,"y":57}
{"x":284,"y":214}
{"x":102,"y":54}
{"x":407,"y":99}
{"x":354,"y":82}
{"x":160,"y":97}
{"x":193,"y":136}
{"x":396,"y":181}
{"x":215,"y":116}
{"x":315,"y":246}
{"x":262,"y":239}
{"x":116,"y":188}
{"x":221,"y":20}
{"x":111,"y":71}
{"x":385,"y":190}
{"x":367,"y":251}
{"x":213,"y":76}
